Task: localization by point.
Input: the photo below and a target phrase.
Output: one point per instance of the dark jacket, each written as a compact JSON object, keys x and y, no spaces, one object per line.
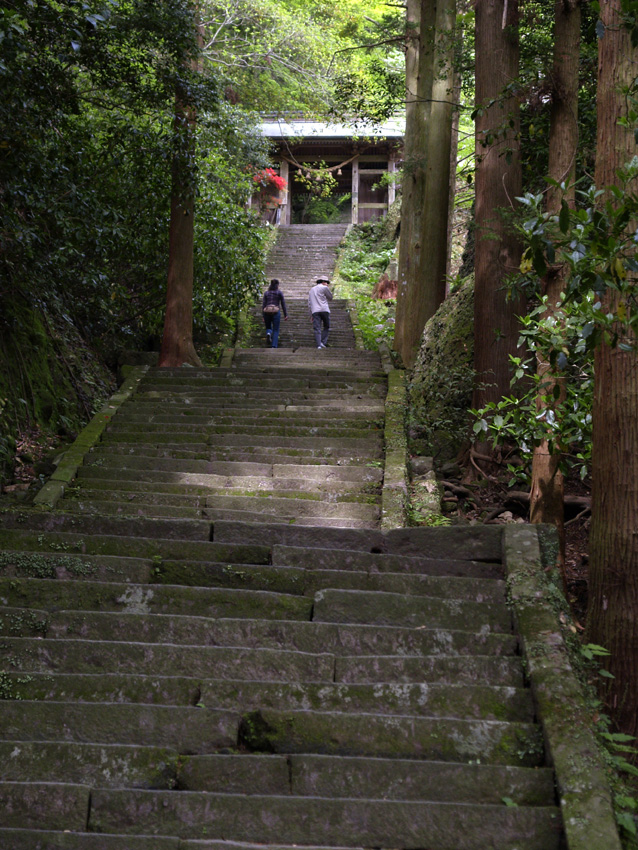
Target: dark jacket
{"x":274,"y":296}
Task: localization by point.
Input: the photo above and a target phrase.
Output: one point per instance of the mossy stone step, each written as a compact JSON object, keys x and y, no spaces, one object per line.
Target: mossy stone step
{"x":392,"y":736}
{"x":131,"y":547}
{"x":394,"y":609}
{"x":456,"y":542}
{"x":44,"y":805}
{"x":49,"y":594}
{"x":504,"y":671}
{"x":186,"y":729}
{"x":290,"y":518}
{"x":333,"y":444}
{"x":329,"y":822}
{"x":171,"y":494}
{"x":347,"y":559}
{"x":103,"y":687}
{"x":357,"y":777}
{"x":274,"y":506}
{"x":23,"y":839}
{"x":236,"y":425}
{"x":83,"y":656}
{"x":58,"y":522}
{"x":304,"y":636}
{"x":72,"y":567}
{"x":480,"y":702}
{"x":105,"y":765}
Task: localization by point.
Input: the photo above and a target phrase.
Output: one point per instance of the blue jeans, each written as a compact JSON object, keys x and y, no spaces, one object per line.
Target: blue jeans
{"x":321,"y":327}
{"x":272,"y":322}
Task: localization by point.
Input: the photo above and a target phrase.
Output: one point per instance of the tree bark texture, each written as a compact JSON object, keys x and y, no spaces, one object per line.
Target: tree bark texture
{"x":428,"y":291}
{"x":547,"y":488}
{"x":498,"y":182}
{"x":177,"y":340}
{"x":612,"y":619}
{"x":419,"y":78}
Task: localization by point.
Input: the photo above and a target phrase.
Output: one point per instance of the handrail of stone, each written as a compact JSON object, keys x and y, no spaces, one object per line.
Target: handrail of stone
{"x":50,"y":494}
{"x":583,"y":787}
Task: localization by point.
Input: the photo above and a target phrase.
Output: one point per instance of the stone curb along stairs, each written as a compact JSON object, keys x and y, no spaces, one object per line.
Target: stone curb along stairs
{"x":213,"y":637}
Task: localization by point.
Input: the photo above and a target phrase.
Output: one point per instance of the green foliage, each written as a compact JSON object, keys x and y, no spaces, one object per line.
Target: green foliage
{"x":362,"y":260}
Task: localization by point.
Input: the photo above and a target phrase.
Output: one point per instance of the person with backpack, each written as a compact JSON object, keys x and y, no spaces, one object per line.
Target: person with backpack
{"x":272,"y":305}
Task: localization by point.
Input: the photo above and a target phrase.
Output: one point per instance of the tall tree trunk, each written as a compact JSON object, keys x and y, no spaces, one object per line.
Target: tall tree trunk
{"x":612,"y":618}
{"x":424,"y":288}
{"x":498,"y":182}
{"x":547,"y":490}
{"x":419,"y":77}
{"x":177,"y":340}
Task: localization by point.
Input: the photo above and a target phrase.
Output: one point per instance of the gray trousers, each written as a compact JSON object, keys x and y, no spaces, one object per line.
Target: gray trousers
{"x":321,"y":327}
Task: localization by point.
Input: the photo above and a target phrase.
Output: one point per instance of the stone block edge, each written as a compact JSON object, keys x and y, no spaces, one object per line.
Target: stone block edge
{"x":51,"y":493}
{"x":583,"y":788}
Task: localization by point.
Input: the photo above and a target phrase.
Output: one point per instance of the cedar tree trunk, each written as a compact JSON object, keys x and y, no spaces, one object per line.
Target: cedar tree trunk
{"x":498,"y":183}
{"x":612,"y":618}
{"x":547,"y":490}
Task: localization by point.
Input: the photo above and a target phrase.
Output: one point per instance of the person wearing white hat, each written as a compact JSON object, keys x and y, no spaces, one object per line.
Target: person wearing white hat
{"x":318,"y":299}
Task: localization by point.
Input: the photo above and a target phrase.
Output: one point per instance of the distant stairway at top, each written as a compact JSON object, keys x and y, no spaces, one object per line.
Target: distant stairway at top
{"x":302,"y":252}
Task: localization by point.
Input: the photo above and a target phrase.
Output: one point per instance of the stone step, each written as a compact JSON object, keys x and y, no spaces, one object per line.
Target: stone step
{"x":392,"y":736}
{"x":101,"y":765}
{"x":371,"y":562}
{"x":187,"y":729}
{"x":329,"y":822}
{"x":266,"y":520}
{"x":51,"y":594}
{"x":296,"y":579}
{"x":300,"y":635}
{"x":125,"y":657}
{"x":334,"y":445}
{"x":163,"y":493}
{"x":481,"y":702}
{"x":393,"y":609}
{"x":23,"y":839}
{"x":456,"y":542}
{"x":374,"y":778}
{"x":87,"y":543}
{"x":56,"y":522}
{"x":68,"y":656}
{"x":219,"y":472}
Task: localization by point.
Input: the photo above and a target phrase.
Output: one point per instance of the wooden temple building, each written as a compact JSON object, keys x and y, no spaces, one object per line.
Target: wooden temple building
{"x":357,"y":160}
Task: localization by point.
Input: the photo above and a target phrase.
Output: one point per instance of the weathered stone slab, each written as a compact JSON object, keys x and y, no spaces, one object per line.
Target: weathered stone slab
{"x":478,"y":543}
{"x":44,"y":805}
{"x":504,"y":671}
{"x":83,"y":656}
{"x":73,"y":567}
{"x":166,"y":529}
{"x":407,"y":779}
{"x":394,"y":609}
{"x":353,"y":559}
{"x":480,"y":702}
{"x":103,"y":687}
{"x":295,"y":635}
{"x":352,"y":823}
{"x":236,"y":774}
{"x":441,"y":739}
{"x":109,"y":766}
{"x":25,"y":839}
{"x":146,"y":599}
{"x":133,"y":547}
{"x":188,"y":730}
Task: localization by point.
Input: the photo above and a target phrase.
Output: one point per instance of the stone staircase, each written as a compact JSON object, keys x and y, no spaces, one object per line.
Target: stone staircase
{"x":211,"y":644}
{"x":302,"y":252}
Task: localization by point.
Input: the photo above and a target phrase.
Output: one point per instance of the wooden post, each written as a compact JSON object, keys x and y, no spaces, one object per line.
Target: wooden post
{"x":284,"y":171}
{"x":355,"y":190}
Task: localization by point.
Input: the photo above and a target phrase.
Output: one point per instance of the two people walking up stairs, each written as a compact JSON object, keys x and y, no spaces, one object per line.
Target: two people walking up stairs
{"x":273,"y":303}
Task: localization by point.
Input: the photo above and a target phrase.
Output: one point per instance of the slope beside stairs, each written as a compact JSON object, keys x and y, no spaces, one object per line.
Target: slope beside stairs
{"x":210,"y":643}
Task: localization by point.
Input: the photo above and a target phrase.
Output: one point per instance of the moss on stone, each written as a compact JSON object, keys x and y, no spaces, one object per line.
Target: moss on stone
{"x":440,"y":384}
